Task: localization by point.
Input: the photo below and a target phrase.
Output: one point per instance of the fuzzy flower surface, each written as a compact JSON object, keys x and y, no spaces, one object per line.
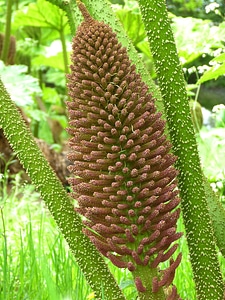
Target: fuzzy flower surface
{"x":124,"y":180}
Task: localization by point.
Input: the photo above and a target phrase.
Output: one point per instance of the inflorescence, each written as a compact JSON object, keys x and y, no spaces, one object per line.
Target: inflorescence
{"x":125,"y":181}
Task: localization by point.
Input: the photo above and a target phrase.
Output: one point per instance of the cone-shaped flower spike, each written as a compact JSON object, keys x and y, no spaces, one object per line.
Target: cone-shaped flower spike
{"x":124,"y":182}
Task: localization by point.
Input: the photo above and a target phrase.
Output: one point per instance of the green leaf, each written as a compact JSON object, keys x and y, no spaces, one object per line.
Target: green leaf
{"x":42,"y":14}
{"x":36,"y":114}
{"x":217,"y":215}
{"x":194,"y":37}
{"x":21,"y":86}
{"x":143,"y":46}
{"x":186,"y":57}
{"x":56,"y":77}
{"x":211,"y":146}
{"x":45,"y":133}
{"x":220,"y":58}
{"x":55,"y":61}
{"x":213,"y":73}
{"x":216,"y":70}
{"x":61,"y":119}
{"x":51,"y":96}
{"x":73,"y":14}
{"x":132,"y":24}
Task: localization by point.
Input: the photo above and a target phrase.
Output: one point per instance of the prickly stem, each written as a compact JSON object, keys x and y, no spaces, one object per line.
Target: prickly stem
{"x":56,"y":199}
{"x":200,"y":237}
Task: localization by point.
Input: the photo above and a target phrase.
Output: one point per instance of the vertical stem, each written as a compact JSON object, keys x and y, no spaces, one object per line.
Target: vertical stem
{"x":65,"y":56}
{"x":200,"y":237}
{"x":6,"y":40}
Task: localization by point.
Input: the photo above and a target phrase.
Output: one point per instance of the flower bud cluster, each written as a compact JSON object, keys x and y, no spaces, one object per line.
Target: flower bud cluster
{"x":124,"y":179}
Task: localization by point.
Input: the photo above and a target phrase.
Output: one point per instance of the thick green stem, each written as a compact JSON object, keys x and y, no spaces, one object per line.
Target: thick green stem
{"x":200,"y":237}
{"x":56,"y":199}
{"x":65,"y":55}
{"x":6,"y":40}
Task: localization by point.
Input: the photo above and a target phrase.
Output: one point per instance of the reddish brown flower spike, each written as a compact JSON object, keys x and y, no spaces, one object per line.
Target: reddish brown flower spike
{"x":124,"y":180}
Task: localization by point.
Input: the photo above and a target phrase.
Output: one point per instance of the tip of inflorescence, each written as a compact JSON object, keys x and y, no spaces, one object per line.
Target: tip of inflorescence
{"x":84,"y":11}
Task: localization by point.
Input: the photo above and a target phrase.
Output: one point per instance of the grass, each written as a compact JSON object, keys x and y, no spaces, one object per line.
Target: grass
{"x":36,"y":263}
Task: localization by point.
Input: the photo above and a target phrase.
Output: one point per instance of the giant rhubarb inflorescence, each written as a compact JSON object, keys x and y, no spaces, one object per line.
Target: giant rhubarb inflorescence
{"x":124,"y":182}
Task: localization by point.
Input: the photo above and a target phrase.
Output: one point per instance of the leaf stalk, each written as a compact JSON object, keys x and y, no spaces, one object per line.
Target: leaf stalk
{"x":208,"y":279}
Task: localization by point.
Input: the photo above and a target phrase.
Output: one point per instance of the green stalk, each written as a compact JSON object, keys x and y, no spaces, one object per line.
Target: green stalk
{"x":65,"y":56}
{"x":56,"y":199}
{"x":6,"y":40}
{"x":200,"y":237}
